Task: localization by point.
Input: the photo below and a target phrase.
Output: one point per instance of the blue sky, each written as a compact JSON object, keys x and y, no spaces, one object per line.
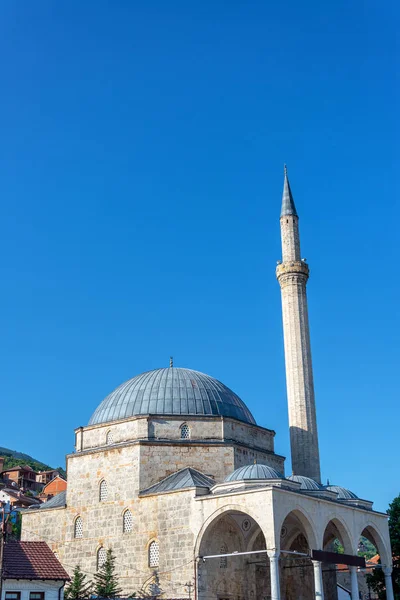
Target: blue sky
{"x":141,"y":168}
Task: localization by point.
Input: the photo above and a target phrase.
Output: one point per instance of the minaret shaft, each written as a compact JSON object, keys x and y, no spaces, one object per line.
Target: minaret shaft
{"x":292,"y":275}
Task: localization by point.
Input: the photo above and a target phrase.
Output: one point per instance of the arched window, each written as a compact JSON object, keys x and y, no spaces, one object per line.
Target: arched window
{"x":101,"y":557}
{"x":78,"y":528}
{"x":103,"y":492}
{"x":109,"y":438}
{"x":154,"y":554}
{"x":127,"y":523}
{"x":223,"y":561}
{"x":185,"y":431}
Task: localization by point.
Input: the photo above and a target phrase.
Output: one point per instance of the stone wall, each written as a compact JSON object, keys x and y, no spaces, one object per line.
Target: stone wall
{"x":169,"y":428}
{"x":246,"y":456}
{"x":248,"y":434}
{"x":164,"y":518}
{"x":160,"y":460}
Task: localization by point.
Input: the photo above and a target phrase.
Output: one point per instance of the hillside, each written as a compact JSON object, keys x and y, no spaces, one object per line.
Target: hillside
{"x":14,"y":458}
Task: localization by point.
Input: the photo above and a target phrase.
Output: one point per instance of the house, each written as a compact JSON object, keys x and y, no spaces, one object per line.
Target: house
{"x":54,"y":487}
{"x":17,"y":499}
{"x":23,"y":477}
{"x":47,"y":476}
{"x":31,"y":571}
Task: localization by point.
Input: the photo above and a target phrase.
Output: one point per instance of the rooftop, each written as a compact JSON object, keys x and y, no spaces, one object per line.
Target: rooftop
{"x":171,"y":391}
{"x":31,"y":560}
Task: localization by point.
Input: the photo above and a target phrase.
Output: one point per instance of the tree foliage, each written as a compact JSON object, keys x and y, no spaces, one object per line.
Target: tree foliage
{"x":106,"y":583}
{"x":79,"y":588}
{"x":377,"y":579}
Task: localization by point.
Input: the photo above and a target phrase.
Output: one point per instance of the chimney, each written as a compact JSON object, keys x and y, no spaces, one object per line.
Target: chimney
{"x":2,"y":459}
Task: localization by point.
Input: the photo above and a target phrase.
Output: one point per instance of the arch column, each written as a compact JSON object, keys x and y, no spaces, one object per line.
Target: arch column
{"x":319,"y":586}
{"x":354,"y":583}
{"x":388,"y":583}
{"x":273,"y":556}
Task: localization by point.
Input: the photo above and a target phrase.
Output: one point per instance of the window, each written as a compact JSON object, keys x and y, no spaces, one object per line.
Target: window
{"x":36,"y":595}
{"x":127,"y":522}
{"x":185,"y":431}
{"x":13,"y":595}
{"x":109,"y":438}
{"x":223,"y":561}
{"x":154,"y":554}
{"x":101,"y":557}
{"x":78,"y":528}
{"x":103,"y":492}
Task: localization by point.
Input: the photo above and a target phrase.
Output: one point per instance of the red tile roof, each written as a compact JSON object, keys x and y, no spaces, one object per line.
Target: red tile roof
{"x":31,"y":560}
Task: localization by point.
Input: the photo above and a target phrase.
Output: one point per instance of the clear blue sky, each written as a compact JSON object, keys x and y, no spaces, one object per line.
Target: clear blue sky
{"x":141,"y":167}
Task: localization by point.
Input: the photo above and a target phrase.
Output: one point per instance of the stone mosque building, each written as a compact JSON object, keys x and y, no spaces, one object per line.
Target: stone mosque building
{"x":173,"y":473}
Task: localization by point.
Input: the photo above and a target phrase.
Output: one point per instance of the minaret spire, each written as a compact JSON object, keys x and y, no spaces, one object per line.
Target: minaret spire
{"x":292,"y":275}
{"x":288,"y":207}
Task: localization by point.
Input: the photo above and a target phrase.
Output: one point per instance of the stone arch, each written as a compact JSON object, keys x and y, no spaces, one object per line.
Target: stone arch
{"x":301,"y":515}
{"x":370,"y":531}
{"x":296,"y":535}
{"x":335,"y":527}
{"x":109,"y":437}
{"x":228,"y":508}
{"x":229,"y":530}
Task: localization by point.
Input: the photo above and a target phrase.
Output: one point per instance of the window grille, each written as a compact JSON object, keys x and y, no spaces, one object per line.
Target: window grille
{"x":103,"y":491}
{"x":223,"y":561}
{"x":109,"y":438}
{"x":101,"y":557}
{"x":154,"y":554}
{"x":78,"y":528}
{"x":185,"y":431}
{"x":127,"y":522}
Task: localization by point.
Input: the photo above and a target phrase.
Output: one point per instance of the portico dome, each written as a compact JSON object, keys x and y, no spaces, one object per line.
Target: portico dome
{"x":343,"y":493}
{"x":306,"y":482}
{"x":254,"y":472}
{"x":171,"y":391}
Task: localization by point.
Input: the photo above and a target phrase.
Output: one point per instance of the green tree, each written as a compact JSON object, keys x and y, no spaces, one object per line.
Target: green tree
{"x":105,"y":580}
{"x":377,"y":579}
{"x":79,"y":588}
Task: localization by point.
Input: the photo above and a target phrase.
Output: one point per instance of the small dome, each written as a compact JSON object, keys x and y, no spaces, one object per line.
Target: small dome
{"x":173,"y":391}
{"x":306,"y":483}
{"x":254,"y":472}
{"x":343,"y":493}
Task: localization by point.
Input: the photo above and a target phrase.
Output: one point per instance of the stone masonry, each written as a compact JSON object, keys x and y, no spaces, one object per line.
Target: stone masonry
{"x":292,"y":275}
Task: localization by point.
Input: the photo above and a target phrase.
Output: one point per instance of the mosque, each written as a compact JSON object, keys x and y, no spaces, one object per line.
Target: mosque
{"x":173,"y":473}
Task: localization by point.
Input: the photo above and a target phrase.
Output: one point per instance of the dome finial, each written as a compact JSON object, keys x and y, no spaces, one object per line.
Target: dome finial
{"x":171,"y":361}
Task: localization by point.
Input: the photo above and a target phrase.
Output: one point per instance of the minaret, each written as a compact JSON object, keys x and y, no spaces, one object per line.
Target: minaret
{"x":292,"y":274}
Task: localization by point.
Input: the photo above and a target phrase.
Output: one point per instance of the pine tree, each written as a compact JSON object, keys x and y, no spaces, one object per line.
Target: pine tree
{"x":79,"y":588}
{"x":106,"y":581}
{"x":377,"y":579}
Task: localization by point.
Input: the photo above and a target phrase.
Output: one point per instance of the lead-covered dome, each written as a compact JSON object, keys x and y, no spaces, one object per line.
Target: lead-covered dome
{"x":256,"y":471}
{"x":172,"y":391}
{"x":306,"y":483}
{"x":343,"y":493}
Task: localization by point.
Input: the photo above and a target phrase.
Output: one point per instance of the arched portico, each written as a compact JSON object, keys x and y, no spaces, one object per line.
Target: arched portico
{"x":230,"y":531}
{"x":373,"y":535}
{"x":297,"y":537}
{"x":333,"y":529}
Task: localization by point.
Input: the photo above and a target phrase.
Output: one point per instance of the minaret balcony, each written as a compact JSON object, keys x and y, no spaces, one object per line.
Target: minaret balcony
{"x":295,"y":267}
